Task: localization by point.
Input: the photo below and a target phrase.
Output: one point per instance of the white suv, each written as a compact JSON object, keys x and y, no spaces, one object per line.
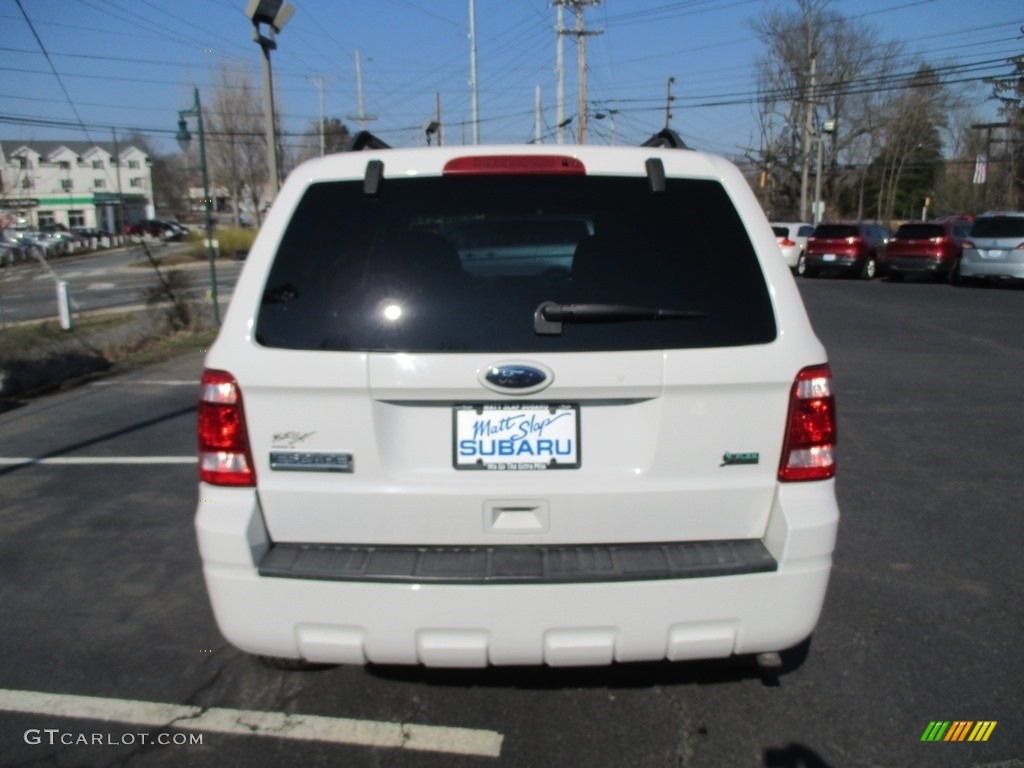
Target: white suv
{"x":610,"y":441}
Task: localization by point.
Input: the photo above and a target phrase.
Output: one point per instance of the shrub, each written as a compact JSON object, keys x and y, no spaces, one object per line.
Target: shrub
{"x":230,"y":240}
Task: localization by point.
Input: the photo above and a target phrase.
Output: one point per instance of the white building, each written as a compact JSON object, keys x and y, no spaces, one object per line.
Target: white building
{"x":75,"y":184}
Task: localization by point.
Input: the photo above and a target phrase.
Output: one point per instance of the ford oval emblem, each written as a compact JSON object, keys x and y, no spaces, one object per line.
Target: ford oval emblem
{"x":516,"y":378}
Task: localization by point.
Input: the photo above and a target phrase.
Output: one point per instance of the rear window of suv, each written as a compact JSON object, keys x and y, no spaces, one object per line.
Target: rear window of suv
{"x":998,"y":226}
{"x":461,"y":264}
{"x":920,"y":231}
{"x":836,"y":231}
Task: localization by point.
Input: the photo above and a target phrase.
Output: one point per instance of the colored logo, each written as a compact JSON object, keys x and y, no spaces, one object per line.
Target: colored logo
{"x":958,"y":730}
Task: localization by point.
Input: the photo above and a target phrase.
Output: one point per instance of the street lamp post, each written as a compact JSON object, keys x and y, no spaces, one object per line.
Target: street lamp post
{"x":828,"y":127}
{"x":184,"y":138}
{"x":275,"y":14}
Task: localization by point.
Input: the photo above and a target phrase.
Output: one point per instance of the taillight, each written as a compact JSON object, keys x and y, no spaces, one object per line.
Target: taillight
{"x":808,"y":450}
{"x":786,"y":242}
{"x":515,"y":165}
{"x":224,"y":456}
{"x":940,"y":240}
{"x":969,"y":244}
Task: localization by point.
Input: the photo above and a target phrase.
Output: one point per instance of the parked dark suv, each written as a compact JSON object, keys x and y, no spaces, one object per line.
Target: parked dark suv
{"x":926,"y":247}
{"x":849,"y":247}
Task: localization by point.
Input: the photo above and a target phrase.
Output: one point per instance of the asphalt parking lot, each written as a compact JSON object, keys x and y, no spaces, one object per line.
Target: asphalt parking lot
{"x":111,"y":656}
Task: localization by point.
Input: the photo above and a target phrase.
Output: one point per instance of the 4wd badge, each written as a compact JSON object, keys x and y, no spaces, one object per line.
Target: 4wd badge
{"x":732,"y":459}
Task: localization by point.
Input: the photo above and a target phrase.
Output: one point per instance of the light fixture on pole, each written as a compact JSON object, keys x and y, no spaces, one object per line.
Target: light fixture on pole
{"x":430,"y":127}
{"x":184,"y":138}
{"x":275,"y":14}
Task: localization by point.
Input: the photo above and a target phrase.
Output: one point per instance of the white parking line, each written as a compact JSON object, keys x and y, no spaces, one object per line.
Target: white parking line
{"x":243,"y":722}
{"x":7,"y":462}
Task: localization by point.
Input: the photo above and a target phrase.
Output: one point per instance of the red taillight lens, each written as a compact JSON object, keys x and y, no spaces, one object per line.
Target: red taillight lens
{"x":516,"y":165}
{"x":786,"y":242}
{"x":808,"y":451}
{"x":224,"y":456}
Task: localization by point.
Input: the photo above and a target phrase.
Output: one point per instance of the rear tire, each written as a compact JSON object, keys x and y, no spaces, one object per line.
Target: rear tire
{"x":869,"y":269}
{"x":801,"y":266}
{"x":954,"y":277}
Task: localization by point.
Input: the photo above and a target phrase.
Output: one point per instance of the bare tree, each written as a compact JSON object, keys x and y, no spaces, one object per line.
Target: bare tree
{"x":818,"y":65}
{"x":335,"y":138}
{"x":236,"y":147}
{"x":1008,"y":91}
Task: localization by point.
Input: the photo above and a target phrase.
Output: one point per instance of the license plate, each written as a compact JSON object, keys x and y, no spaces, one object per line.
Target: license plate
{"x":516,"y":436}
{"x":829,"y":257}
{"x":994,"y":254}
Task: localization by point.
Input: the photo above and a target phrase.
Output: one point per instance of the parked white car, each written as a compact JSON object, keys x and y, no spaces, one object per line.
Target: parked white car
{"x":792,"y":237}
{"x":622,"y":455}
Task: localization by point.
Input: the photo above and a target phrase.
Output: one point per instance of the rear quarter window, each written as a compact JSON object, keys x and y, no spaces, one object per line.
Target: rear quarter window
{"x":462,"y":264}
{"x":999,"y":226}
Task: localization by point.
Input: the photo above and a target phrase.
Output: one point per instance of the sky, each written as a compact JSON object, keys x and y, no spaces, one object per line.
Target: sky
{"x":76,"y":69}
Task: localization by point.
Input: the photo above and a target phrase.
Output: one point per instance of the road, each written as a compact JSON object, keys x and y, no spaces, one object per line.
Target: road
{"x":102,"y":597}
{"x":116,"y":279}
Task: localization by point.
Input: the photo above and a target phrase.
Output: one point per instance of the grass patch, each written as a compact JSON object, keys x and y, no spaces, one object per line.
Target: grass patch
{"x":16,"y":340}
{"x":43,"y":357}
{"x":158,"y":349}
{"x":229,"y":241}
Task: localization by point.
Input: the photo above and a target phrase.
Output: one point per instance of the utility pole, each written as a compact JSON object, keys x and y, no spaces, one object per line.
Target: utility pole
{"x":472,"y":73}
{"x":536,"y":116}
{"x":581,"y":35}
{"x":808,"y":137}
{"x":120,"y":195}
{"x":560,"y":74}
{"x":668,"y":101}
{"x":362,"y":117}
{"x":437,"y":116}
{"x":320,"y":81}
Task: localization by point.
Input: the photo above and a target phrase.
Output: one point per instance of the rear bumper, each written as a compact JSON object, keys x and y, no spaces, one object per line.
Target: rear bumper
{"x":919,"y":264}
{"x":791,"y":255}
{"x":842,"y":262}
{"x":476,"y":624}
{"x":978,"y":267}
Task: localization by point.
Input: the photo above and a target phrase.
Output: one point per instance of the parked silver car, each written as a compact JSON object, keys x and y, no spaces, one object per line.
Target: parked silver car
{"x":995,"y":247}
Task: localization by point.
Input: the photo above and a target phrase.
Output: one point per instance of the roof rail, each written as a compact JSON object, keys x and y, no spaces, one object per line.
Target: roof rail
{"x":667,"y":138}
{"x":365,"y":140}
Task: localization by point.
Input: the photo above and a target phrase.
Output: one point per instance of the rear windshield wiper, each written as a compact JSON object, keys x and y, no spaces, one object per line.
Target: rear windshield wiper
{"x":549,"y":316}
